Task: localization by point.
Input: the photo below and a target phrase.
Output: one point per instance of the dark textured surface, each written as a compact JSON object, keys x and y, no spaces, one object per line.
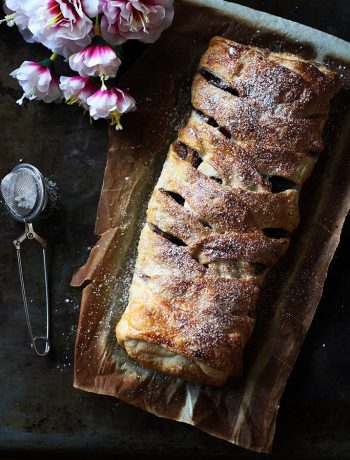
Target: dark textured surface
{"x":40,"y":412}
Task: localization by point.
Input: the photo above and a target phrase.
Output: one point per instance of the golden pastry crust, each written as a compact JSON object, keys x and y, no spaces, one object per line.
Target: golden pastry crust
{"x":223,"y":209}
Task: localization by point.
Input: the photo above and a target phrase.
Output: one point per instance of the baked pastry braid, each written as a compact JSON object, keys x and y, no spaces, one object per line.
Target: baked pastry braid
{"x":223,"y":209}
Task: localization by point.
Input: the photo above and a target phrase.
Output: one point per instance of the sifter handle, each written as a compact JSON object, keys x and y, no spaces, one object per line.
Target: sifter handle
{"x":30,"y":234}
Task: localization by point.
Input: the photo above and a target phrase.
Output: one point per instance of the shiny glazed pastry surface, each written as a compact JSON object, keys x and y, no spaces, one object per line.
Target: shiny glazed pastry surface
{"x":224,"y":208}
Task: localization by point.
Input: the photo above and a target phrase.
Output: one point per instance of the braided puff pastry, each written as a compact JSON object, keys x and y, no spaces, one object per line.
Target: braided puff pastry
{"x":223,"y":209}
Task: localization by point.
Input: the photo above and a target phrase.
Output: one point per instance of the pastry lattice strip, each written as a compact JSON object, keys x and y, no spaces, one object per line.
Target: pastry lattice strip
{"x":223,"y":209}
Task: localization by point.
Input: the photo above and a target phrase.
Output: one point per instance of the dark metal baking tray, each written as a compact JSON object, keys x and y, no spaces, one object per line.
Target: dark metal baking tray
{"x":41,"y":414}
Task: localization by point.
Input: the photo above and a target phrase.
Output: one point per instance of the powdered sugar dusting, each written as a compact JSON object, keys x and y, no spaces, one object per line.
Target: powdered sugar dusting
{"x":258,"y":101}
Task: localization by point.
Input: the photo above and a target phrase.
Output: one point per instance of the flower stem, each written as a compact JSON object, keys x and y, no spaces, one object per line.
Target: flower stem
{"x":97,"y":28}
{"x":53,"y":56}
{"x":119,"y":51}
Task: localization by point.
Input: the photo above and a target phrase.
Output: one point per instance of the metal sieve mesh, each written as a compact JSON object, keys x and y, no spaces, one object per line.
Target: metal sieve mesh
{"x":24,"y":192}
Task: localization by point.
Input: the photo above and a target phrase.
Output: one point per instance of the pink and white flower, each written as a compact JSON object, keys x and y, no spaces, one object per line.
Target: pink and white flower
{"x":77,"y":89}
{"x":37,"y":82}
{"x":110,"y":103}
{"x":18,"y":12}
{"x":134,"y":19}
{"x":63,"y":25}
{"x":96,"y":60}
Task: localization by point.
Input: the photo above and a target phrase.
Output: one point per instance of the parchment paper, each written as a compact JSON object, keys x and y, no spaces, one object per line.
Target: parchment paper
{"x":244,"y":410}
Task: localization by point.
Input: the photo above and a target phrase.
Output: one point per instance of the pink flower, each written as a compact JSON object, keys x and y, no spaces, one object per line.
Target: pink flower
{"x":37,"y":82}
{"x":63,"y":25}
{"x":96,"y":60}
{"x":144,"y":20}
{"x":110,"y":103}
{"x":77,"y":89}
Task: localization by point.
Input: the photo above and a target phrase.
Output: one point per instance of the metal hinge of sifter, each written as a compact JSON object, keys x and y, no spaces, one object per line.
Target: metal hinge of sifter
{"x":26,"y":196}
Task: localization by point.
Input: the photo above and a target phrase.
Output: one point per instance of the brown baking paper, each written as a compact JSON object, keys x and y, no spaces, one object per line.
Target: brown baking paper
{"x":244,"y":410}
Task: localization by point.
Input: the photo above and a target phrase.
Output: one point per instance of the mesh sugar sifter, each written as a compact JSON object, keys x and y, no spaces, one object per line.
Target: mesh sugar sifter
{"x":26,"y":196}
